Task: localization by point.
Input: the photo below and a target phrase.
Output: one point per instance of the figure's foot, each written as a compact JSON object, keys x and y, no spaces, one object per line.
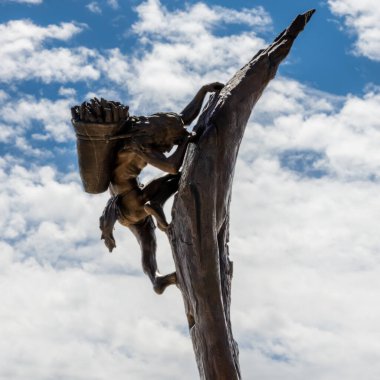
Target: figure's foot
{"x":156,"y":210}
{"x":162,"y":282}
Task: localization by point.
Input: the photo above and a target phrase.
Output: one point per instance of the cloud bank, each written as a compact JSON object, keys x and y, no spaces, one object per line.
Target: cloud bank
{"x":303,"y":231}
{"x":361,"y":18}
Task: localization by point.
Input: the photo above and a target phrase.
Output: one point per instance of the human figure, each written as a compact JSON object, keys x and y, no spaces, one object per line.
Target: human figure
{"x":148,"y":139}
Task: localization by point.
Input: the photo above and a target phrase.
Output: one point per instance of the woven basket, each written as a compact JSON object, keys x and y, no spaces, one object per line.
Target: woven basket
{"x":96,"y":153}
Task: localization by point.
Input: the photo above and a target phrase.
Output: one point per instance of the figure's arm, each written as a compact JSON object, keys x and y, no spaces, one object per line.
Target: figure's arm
{"x":155,"y":158}
{"x":192,"y":110}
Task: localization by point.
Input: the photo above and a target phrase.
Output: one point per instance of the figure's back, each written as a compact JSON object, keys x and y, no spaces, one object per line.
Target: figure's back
{"x":159,"y":129}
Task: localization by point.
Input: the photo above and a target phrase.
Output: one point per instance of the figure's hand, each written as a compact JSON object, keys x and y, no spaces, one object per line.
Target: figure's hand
{"x":213,"y":87}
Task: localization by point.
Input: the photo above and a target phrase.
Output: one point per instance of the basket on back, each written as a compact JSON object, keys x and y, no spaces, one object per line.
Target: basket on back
{"x":95,"y":124}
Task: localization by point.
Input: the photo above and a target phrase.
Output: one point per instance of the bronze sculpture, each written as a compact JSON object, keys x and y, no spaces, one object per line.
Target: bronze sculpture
{"x":144,"y":140}
{"x":199,"y":231}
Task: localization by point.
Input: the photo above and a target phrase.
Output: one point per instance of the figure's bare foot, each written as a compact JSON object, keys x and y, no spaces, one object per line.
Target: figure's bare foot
{"x":156,"y":210}
{"x":162,"y":282}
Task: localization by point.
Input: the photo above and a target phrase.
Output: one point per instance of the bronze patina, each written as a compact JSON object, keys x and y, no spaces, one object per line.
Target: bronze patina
{"x":117,"y":148}
{"x":199,"y":230}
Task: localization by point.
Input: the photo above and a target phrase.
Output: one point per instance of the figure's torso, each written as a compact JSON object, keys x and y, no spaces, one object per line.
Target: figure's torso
{"x":158,"y":131}
{"x":128,"y":166}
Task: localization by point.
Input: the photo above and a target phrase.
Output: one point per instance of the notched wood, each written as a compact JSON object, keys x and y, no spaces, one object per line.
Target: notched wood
{"x":201,"y":209}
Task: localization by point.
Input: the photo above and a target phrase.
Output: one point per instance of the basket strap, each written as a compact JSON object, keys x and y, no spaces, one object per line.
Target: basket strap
{"x":106,"y":138}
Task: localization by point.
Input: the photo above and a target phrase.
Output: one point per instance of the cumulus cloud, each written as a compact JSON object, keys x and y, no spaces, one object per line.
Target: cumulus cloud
{"x":305,"y":247}
{"x":73,"y":324}
{"x":73,"y":293}
{"x":51,"y":118}
{"x":303,"y":238}
{"x":182,"y":48}
{"x":363,"y":19}
{"x":24,"y":56}
{"x":342,"y":130}
{"x":6,"y":132}
{"x":173,"y":59}
{"x":94,"y":7}
{"x":303,"y":232}
{"x":308,"y":251}
{"x":113,"y":4}
{"x":42,"y":207}
{"x":194,"y":20}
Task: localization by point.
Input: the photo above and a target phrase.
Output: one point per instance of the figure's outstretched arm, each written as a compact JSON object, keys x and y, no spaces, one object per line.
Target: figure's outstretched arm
{"x":192,"y":110}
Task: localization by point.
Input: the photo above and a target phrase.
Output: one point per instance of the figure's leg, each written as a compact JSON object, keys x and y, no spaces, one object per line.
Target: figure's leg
{"x":157,"y":211}
{"x":162,"y":188}
{"x":157,"y":193}
{"x":146,"y":237}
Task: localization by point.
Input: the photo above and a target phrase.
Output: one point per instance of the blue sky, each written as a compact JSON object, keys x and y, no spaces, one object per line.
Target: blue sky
{"x":304,"y":213}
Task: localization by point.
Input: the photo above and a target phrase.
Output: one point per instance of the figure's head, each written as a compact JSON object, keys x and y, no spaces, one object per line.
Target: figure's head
{"x":160,"y":131}
{"x":175,"y":136}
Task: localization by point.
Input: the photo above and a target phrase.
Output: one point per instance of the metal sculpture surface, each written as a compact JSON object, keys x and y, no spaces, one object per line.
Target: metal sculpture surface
{"x":125,"y":145}
{"x":119,"y":147}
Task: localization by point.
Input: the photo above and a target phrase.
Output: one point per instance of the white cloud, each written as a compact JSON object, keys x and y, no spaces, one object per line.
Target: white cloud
{"x":76,"y":308}
{"x":6,"y":132}
{"x":52,"y":117}
{"x":181,"y":49}
{"x":76,"y":325}
{"x":65,"y":91}
{"x":194,"y":20}
{"x":363,"y":19}
{"x":94,"y":7}
{"x":114,"y":4}
{"x":344,"y":130}
{"x":305,"y":249}
{"x":40,"y":208}
{"x":308,"y":252}
{"x":167,"y":68}
{"x":24,"y":56}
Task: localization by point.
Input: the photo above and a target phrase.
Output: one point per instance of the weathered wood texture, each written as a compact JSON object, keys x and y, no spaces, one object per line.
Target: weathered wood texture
{"x":200,"y":216}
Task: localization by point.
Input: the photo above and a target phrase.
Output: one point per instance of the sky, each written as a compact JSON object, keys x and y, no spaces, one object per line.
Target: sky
{"x":304,"y":237}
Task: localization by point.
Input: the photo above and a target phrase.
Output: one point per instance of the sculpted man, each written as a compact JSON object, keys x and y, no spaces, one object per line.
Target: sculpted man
{"x":143,"y":140}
